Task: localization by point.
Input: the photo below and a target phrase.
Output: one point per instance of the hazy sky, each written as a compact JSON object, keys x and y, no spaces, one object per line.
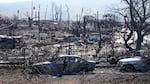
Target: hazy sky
{"x":10,"y":7}
{"x":10,"y":1}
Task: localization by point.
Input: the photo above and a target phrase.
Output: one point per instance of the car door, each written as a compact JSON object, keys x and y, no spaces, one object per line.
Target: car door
{"x":59,"y":64}
{"x":76,"y":64}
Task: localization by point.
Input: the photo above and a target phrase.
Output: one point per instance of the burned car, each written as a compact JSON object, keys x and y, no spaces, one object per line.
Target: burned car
{"x":64,"y":64}
{"x":136,"y":63}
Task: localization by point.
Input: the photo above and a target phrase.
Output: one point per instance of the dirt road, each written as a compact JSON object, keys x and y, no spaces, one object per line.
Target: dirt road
{"x":99,"y":76}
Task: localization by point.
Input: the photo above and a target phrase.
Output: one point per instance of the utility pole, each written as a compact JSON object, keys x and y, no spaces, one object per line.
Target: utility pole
{"x":99,"y":30}
{"x":30,"y":17}
{"x":53,"y":11}
{"x":68,"y":15}
{"x":46,"y":13}
{"x":69,"y":50}
{"x":39,"y":26}
{"x":17,"y":18}
{"x":84,"y":25}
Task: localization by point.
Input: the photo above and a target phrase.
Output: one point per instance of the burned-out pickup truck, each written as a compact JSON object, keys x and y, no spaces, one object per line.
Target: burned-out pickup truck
{"x":64,"y":64}
{"x":137,"y":63}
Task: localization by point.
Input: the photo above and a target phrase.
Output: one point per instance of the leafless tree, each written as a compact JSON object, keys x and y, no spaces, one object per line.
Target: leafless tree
{"x":137,"y":15}
{"x":30,"y":15}
{"x":68,"y":17}
{"x":30,"y":19}
{"x":16,"y":19}
{"x":78,"y":28}
{"x":56,"y":12}
{"x":99,"y":31}
{"x":87,"y":19}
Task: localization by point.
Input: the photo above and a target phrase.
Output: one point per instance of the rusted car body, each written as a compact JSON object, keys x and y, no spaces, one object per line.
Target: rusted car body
{"x":64,"y":64}
{"x":136,"y":63}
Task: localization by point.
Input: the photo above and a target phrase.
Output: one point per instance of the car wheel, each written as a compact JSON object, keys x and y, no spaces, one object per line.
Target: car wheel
{"x":129,"y":68}
{"x":85,"y":70}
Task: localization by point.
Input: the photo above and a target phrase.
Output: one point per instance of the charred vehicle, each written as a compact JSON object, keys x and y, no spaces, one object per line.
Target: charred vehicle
{"x":64,"y":64}
{"x":136,"y":63}
{"x":10,"y":42}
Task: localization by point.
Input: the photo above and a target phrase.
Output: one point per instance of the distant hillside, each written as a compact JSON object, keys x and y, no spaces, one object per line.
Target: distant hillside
{"x":4,"y":16}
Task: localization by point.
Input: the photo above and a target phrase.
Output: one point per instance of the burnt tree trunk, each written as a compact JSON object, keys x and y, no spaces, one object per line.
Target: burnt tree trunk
{"x":137,"y":13}
{"x":126,"y":41}
{"x":84,"y":26}
{"x":138,"y":43}
{"x":30,"y":21}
